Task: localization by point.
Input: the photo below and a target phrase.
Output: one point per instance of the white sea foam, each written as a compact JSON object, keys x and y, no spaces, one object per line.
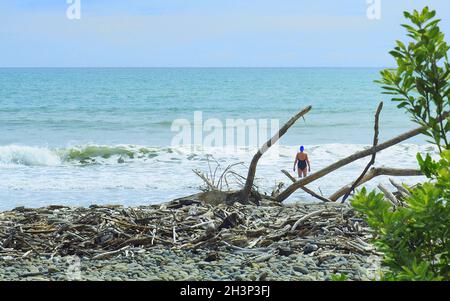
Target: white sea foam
{"x":131,"y":174}
{"x":27,"y":155}
{"x":134,"y":154}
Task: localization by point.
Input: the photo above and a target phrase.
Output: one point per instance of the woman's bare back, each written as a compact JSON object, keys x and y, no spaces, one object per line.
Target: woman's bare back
{"x":302,"y":156}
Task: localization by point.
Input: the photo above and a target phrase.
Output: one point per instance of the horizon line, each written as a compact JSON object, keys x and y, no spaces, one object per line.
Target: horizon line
{"x":194,"y":67}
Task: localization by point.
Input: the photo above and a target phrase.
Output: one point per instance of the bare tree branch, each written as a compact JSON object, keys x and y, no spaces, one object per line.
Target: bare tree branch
{"x":312,"y":193}
{"x":375,"y":172}
{"x":372,"y":161}
{"x":389,"y":195}
{"x":245,"y":192}
{"x":324,"y":171}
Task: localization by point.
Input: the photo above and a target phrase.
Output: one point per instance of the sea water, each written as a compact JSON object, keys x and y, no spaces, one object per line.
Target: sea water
{"x":84,"y":136}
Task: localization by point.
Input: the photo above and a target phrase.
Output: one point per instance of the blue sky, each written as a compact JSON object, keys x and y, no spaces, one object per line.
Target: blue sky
{"x":203,"y":33}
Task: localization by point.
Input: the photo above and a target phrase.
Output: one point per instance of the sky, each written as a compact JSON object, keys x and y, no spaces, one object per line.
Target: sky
{"x":204,"y":33}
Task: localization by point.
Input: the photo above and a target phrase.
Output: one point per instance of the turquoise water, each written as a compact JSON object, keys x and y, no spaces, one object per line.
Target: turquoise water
{"x":66,"y":135}
{"x":109,"y":106}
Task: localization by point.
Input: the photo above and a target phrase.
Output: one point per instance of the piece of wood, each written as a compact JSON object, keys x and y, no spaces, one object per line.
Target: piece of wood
{"x":174,"y":235}
{"x":277,"y":189}
{"x":402,"y":190}
{"x":356,"y":156}
{"x":245,"y":193}
{"x":223,"y":176}
{"x":391,"y":197}
{"x":109,"y":254}
{"x":305,"y":217}
{"x":264,"y":257}
{"x":307,"y":190}
{"x":153,"y":236}
{"x":375,"y":172}
{"x":287,"y":174}
{"x":246,"y":250}
{"x":210,"y":185}
{"x":372,"y":160}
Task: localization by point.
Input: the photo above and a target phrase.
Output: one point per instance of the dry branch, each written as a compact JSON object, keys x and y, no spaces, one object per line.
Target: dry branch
{"x":305,"y":217}
{"x":375,"y":172}
{"x":287,"y":174}
{"x":312,"y":193}
{"x":205,"y":179}
{"x":245,"y":192}
{"x":324,"y":171}
{"x":109,"y":254}
{"x":113,"y":231}
{"x":372,"y":160}
{"x":391,"y":197}
{"x":402,"y":190}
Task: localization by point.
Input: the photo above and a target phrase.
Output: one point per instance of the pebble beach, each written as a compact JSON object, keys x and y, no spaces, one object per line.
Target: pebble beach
{"x":160,"y":264}
{"x":238,"y":243}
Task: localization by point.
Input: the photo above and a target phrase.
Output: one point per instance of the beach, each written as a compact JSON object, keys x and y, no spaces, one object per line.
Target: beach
{"x":186,"y":241}
{"x":223,"y":148}
{"x":92,"y":178}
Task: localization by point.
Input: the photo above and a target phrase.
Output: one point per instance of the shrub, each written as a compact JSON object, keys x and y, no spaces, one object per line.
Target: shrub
{"x":420,"y":82}
{"x":414,"y":238}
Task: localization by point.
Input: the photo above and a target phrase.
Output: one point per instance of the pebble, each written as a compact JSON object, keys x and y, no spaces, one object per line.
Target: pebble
{"x":309,"y":248}
{"x":301,"y":269}
{"x":159,"y":264}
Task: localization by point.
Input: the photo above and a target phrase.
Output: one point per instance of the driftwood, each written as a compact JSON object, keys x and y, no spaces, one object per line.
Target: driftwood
{"x":389,"y":195}
{"x":205,"y":179}
{"x":307,"y":190}
{"x":212,"y":180}
{"x":306,"y":217}
{"x":401,"y":189}
{"x":359,"y":155}
{"x":372,"y":160}
{"x":249,"y":193}
{"x":109,"y":254}
{"x":287,"y":174}
{"x":375,"y":172}
{"x":245,"y":192}
{"x":115,"y":231}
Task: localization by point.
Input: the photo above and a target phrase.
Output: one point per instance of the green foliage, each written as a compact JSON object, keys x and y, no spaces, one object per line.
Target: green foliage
{"x":420,"y":83}
{"x":414,"y":239}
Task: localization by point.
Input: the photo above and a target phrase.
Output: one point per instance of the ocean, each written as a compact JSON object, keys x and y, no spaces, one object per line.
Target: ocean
{"x":105,"y":136}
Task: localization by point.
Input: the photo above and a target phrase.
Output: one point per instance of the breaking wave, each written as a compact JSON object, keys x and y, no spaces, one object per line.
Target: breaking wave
{"x":87,"y":154}
{"x":120,"y":154}
{"x":27,"y":155}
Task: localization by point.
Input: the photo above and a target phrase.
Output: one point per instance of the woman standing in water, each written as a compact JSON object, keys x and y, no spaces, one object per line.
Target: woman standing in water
{"x":302,"y":161}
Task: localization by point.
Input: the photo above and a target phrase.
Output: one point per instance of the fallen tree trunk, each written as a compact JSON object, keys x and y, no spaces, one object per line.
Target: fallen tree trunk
{"x":375,"y":172}
{"x":323,"y":172}
{"x":244,"y":194}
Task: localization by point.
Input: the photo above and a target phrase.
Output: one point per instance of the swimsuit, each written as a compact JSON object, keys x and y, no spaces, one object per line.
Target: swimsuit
{"x":301,"y":164}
